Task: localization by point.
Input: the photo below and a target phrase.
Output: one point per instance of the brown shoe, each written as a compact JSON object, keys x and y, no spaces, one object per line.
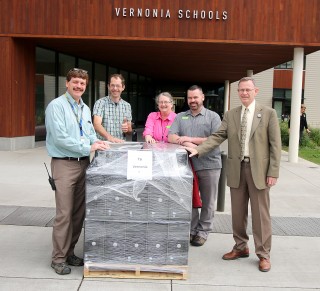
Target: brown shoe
{"x":264,"y":265}
{"x":233,"y":255}
{"x":198,"y":241}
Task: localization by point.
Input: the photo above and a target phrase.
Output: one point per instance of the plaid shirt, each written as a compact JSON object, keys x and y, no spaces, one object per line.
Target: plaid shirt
{"x":112,"y":115}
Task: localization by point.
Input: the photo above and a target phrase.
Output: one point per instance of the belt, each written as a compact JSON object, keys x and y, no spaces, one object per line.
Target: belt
{"x":72,"y":159}
{"x":246,"y":159}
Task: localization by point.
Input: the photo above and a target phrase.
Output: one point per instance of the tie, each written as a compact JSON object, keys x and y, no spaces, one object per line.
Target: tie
{"x":243,"y":132}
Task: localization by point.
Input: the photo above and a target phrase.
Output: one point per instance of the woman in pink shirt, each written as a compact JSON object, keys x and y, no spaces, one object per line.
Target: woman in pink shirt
{"x":158,"y":123}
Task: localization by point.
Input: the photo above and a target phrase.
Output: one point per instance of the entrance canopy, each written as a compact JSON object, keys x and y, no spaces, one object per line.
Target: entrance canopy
{"x":181,"y":61}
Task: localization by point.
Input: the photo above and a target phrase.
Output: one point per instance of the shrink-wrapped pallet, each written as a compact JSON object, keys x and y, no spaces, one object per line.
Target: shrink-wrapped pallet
{"x":138,"y":221}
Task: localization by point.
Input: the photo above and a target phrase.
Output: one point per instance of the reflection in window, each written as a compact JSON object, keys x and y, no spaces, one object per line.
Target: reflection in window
{"x":100,"y":80}
{"x":112,"y":70}
{"x":45,"y":87}
{"x":284,"y":96}
{"x":282,"y":93}
{"x":66,"y":63}
{"x":86,"y":97}
{"x":52,"y":68}
{"x":132,"y":90}
{"x":124,"y":94}
{"x":290,"y":64}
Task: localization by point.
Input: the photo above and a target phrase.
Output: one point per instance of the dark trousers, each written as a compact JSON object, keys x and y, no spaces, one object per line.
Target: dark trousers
{"x":300,"y":136}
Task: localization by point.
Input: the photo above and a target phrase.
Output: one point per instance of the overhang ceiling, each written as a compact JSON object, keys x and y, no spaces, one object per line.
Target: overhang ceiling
{"x":197,"y":62}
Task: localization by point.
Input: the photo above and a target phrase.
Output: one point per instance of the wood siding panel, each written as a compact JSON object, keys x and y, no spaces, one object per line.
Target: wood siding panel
{"x":17,"y":96}
{"x":283,"y":79}
{"x":258,"y":21}
{"x":23,"y":89}
{"x":5,"y":93}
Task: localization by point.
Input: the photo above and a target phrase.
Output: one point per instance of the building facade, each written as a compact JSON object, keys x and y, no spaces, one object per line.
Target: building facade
{"x":157,"y":44}
{"x":275,"y":87}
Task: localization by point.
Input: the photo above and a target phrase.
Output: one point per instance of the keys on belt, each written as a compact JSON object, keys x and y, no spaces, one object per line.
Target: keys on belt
{"x":246,"y":160}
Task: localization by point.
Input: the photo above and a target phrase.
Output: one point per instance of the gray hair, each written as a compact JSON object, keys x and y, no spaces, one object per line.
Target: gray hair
{"x":166,"y":94}
{"x":245,"y":79}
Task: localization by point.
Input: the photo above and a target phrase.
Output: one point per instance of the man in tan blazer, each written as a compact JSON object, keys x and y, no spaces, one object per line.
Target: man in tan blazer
{"x":251,"y":169}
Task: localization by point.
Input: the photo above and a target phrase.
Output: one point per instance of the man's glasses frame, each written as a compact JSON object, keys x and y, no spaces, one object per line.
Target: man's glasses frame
{"x":245,"y":90}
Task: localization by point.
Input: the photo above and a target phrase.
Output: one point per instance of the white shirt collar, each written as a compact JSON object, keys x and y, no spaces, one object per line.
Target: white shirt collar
{"x":251,"y":107}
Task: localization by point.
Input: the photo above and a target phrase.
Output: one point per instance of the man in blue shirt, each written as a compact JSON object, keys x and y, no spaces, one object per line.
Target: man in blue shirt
{"x":70,"y":139}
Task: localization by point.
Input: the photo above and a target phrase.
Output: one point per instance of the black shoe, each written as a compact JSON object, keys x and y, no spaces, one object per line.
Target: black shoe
{"x":74,"y":261}
{"x":61,"y":268}
{"x":192,"y":237}
{"x":198,"y":241}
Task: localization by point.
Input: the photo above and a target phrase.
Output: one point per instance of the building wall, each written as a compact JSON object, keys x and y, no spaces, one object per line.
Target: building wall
{"x":312,"y":89}
{"x":17,"y":98}
{"x":24,"y":25}
{"x":174,"y":20}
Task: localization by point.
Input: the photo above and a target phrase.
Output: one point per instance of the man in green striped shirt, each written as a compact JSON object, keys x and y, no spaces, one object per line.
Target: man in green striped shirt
{"x":111,"y":114}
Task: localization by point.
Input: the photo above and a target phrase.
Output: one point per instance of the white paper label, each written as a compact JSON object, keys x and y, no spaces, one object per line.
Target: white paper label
{"x":139,"y":165}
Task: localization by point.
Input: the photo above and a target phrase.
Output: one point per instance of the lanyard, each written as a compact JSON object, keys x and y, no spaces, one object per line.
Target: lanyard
{"x":77,"y":115}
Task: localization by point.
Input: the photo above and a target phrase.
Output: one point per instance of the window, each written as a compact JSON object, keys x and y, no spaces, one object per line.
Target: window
{"x":66,"y":63}
{"x":52,"y":68}
{"x":289,"y":65}
{"x":284,"y":96}
{"x":45,"y":86}
{"x":87,"y":95}
{"x":124,"y":94}
{"x":100,"y":81}
{"x":132,"y":90}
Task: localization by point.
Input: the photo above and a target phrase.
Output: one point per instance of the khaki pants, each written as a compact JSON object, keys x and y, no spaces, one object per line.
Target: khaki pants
{"x":260,"y":211}
{"x":202,"y":223}
{"x":69,"y":178}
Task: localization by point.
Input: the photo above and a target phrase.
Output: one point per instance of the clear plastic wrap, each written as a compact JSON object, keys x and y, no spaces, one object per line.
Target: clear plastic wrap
{"x":143,"y":222}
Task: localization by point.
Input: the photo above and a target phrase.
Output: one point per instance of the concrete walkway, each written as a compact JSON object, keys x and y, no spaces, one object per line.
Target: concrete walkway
{"x":25,"y":243}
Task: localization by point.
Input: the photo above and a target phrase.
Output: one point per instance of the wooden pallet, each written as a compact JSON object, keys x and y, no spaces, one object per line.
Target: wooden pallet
{"x":135,"y":271}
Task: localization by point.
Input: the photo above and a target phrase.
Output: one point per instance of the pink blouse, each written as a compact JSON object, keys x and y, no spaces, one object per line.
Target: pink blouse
{"x":158,"y":128}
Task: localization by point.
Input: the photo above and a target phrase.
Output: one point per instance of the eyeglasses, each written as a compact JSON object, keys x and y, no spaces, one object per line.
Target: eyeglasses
{"x":79,"y":70}
{"x":164,"y":102}
{"x":115,"y":86}
{"x":245,"y":90}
